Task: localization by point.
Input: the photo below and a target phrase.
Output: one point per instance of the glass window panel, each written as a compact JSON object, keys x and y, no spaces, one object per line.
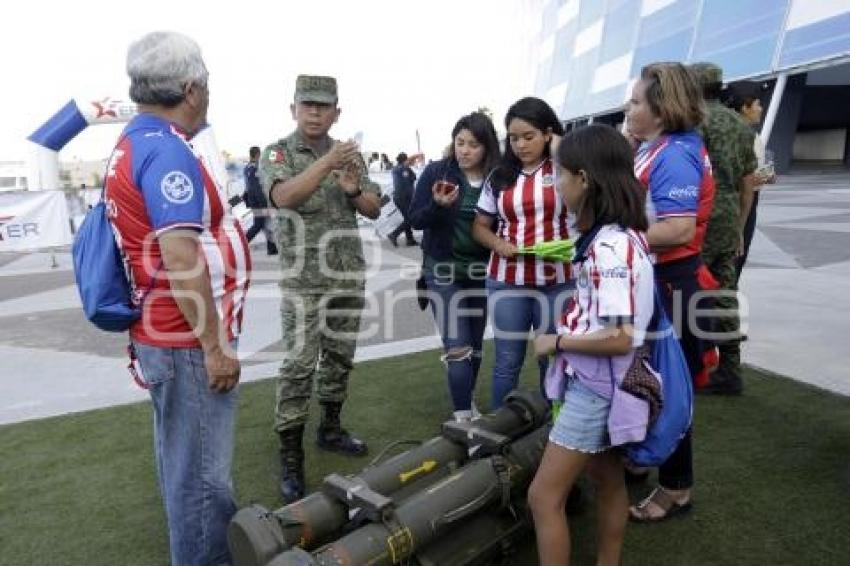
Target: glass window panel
{"x":621,"y":24}
{"x":665,"y":35}
{"x":820,"y":40}
{"x":739,"y":36}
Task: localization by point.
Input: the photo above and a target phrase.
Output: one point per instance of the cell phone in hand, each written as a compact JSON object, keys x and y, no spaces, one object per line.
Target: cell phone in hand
{"x":444,"y":187}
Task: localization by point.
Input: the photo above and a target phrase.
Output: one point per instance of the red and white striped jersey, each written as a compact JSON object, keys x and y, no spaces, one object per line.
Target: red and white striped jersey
{"x":614,"y":284}
{"x":155,"y":183}
{"x":528,"y":212}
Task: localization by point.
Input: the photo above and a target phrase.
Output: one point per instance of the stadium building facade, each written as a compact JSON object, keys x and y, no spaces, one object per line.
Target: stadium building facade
{"x":589,"y":52}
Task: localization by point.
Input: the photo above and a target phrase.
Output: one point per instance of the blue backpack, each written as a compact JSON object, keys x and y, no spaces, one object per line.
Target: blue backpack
{"x":674,"y":419}
{"x":100,"y":274}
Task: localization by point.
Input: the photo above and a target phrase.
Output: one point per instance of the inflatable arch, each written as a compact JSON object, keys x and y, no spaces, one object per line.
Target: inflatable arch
{"x":76,"y":116}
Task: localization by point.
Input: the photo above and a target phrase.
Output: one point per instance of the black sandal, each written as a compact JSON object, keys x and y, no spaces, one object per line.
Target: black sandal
{"x":639,"y":513}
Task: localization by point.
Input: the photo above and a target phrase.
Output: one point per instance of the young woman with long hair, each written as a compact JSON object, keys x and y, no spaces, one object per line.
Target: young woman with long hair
{"x":519,"y":207}
{"x":600,"y":330}
{"x":454,"y":264}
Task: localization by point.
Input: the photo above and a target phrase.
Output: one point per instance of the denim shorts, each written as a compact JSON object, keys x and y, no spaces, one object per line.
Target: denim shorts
{"x":582,"y":424}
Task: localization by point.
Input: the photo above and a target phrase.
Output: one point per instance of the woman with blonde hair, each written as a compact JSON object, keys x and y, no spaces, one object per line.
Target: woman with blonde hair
{"x":672,"y":164}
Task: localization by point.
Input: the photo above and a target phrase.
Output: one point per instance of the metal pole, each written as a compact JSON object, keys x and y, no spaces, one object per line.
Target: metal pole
{"x":773,"y":107}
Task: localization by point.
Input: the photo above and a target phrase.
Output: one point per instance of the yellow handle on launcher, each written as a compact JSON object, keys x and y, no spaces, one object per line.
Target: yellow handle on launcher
{"x":424,"y":468}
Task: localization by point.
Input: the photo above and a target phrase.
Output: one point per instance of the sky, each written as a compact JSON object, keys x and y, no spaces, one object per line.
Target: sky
{"x":400,"y":66}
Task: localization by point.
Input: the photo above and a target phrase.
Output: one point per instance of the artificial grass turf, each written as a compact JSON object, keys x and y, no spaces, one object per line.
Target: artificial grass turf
{"x":772,"y":471}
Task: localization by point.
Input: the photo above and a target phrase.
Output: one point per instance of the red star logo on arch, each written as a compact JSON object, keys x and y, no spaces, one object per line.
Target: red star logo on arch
{"x":103,"y":108}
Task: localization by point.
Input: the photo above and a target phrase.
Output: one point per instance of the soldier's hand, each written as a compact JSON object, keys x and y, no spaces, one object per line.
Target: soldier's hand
{"x":348,"y":179}
{"x":341,"y":155}
{"x":222,"y":369}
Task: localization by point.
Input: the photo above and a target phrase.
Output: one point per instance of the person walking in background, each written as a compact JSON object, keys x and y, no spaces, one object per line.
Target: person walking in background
{"x":321,"y":184}
{"x":454,"y":264}
{"x":374,"y":163}
{"x":604,"y":324}
{"x":744,"y":98}
{"x":255,"y":199}
{"x":519,"y":206}
{"x":403,"y":180}
{"x":183,"y":245}
{"x":729,"y":141}
{"x":386,"y":164}
{"x":665,"y":108}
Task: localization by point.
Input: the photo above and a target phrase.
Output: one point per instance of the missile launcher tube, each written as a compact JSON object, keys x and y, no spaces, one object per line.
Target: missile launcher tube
{"x":256,"y":534}
{"x":433,"y":512}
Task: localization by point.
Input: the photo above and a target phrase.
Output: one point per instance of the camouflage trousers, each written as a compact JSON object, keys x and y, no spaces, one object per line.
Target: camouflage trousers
{"x":319,"y":339}
{"x":720,"y":260}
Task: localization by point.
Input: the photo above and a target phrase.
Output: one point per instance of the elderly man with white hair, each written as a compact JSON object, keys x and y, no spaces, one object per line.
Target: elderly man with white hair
{"x":190,"y":267}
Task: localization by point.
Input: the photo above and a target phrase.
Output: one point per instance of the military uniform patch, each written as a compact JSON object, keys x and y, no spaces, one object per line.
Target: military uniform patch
{"x":276,"y":156}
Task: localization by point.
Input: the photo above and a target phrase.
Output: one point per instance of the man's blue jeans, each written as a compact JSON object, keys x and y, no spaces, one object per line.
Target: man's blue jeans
{"x":514,"y":310}
{"x":460,"y":310}
{"x":193,"y":447}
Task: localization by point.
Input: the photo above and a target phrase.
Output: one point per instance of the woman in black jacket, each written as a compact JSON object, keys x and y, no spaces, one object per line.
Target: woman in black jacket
{"x":454,"y":264}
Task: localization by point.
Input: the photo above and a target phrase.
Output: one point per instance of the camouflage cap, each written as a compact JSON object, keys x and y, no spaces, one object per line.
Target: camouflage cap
{"x":706,"y":73}
{"x":313,"y":88}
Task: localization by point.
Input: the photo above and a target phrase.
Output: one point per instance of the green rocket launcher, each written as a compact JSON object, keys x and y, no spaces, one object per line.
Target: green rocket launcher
{"x":456,"y":500}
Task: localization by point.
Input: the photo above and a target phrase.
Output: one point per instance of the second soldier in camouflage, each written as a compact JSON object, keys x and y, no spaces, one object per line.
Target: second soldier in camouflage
{"x":729,"y":142}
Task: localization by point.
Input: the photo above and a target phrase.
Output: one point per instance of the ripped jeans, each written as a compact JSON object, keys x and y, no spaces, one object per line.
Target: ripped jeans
{"x":460,"y":310}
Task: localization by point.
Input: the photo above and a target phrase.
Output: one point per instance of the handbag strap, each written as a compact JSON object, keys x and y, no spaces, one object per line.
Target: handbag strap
{"x":660,"y":314}
{"x":152,"y":283}
{"x":121,"y":138}
{"x":584,"y":242}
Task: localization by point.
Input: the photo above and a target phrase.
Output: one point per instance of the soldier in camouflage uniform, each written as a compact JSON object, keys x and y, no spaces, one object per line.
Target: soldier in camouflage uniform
{"x":729,"y":142}
{"x":320,"y":184}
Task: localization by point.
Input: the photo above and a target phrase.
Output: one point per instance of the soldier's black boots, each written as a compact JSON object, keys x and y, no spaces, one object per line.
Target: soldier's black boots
{"x":292,"y":464}
{"x":331,"y":436}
